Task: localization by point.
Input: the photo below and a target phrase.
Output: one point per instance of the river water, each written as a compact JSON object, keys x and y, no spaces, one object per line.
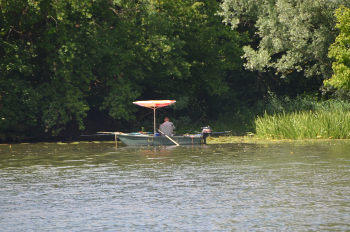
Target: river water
{"x":287,"y":186}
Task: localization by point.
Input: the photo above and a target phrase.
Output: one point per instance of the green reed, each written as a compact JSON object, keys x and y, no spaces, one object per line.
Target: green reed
{"x":304,"y":125}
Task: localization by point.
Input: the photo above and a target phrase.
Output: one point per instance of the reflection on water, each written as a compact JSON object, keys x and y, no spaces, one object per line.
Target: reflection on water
{"x":93,"y":186}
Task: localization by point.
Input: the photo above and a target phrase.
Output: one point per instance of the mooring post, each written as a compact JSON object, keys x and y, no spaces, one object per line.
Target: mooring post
{"x":116,"y":140}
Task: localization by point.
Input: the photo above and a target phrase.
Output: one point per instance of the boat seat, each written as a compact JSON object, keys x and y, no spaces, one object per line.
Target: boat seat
{"x":167,"y":128}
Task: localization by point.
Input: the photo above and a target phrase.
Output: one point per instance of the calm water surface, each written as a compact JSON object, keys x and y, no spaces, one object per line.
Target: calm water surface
{"x":303,"y":186}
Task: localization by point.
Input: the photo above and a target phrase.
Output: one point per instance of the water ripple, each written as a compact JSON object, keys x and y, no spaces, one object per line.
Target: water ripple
{"x":284,"y":187}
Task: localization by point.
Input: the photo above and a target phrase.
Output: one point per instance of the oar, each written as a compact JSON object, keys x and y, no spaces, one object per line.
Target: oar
{"x":169,"y":138}
{"x":102,"y":132}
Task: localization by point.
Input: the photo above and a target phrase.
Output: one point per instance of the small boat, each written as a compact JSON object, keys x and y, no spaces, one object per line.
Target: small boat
{"x":151,"y":140}
{"x":139,"y":139}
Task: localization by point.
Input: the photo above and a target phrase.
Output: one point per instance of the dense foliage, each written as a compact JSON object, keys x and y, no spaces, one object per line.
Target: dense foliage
{"x":293,"y":35}
{"x":63,"y":60}
{"x":340,"y":51}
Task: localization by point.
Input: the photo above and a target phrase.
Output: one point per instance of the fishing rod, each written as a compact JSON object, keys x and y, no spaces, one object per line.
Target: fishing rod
{"x":222,"y":132}
{"x":196,"y":123}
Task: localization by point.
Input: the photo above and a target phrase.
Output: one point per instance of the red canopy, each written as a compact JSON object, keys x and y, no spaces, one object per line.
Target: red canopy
{"x":154,"y":103}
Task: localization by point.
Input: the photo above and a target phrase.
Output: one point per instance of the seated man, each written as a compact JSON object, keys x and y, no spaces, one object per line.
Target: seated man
{"x":167,"y":127}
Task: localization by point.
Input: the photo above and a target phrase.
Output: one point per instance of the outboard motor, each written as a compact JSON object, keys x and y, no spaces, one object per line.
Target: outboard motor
{"x":205,"y":132}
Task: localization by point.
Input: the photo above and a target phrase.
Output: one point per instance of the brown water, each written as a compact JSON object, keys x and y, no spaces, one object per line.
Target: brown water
{"x":93,"y":186}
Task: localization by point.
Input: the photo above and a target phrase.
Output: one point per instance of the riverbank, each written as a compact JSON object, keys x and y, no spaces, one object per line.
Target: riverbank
{"x":278,"y":118}
{"x":264,"y":141}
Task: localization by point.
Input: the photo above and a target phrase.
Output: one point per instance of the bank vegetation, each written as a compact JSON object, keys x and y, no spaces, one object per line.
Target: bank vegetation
{"x":75,"y":67}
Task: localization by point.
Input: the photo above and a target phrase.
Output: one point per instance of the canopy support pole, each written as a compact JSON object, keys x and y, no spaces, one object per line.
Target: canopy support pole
{"x":154,"y":122}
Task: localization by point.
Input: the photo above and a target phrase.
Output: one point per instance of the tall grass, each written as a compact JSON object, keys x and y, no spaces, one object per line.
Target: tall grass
{"x":304,"y":125}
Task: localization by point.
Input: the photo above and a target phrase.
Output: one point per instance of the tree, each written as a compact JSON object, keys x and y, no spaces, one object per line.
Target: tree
{"x":60,"y":58}
{"x":294,"y":36}
{"x":53,"y":54}
{"x":196,"y":53}
{"x":340,"y":51}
